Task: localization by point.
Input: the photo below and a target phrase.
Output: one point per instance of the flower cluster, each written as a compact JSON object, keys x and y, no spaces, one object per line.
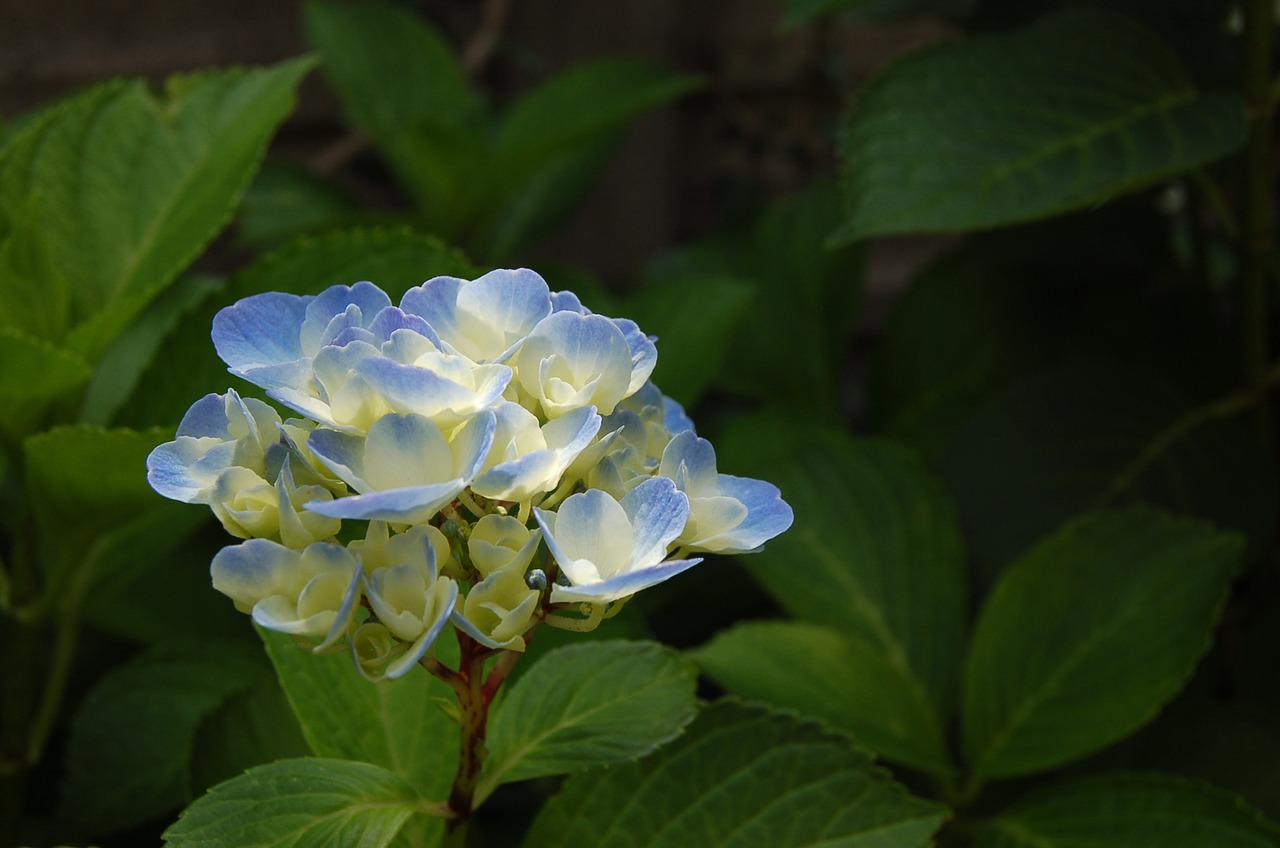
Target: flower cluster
{"x":466,"y":430}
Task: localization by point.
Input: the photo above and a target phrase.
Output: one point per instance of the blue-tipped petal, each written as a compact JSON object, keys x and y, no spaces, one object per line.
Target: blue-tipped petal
{"x":567,"y":301}
{"x":540,"y":470}
{"x":186,"y":468}
{"x":334,"y":301}
{"x":207,"y":417}
{"x":260,"y":331}
{"x":342,"y":454}
{"x":622,"y":585}
{"x":253,"y":570}
{"x":392,"y":318}
{"x":419,"y":390}
{"x":401,"y":664}
{"x":413,"y":505}
{"x":644,"y":354}
{"x":436,"y":302}
{"x":697,"y":458}
{"x":658,"y":512}
{"x":768,"y":515}
{"x":346,"y":613}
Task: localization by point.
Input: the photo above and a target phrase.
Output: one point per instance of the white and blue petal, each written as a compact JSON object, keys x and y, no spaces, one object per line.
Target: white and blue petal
{"x":571,"y":360}
{"x":622,"y":585}
{"x":533,"y":459}
{"x":768,"y":515}
{"x":405,"y":469}
{"x":260,"y":335}
{"x":657,"y":511}
{"x":483,"y":319}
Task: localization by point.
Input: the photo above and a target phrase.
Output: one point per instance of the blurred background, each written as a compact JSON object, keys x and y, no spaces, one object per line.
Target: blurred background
{"x":764,"y":124}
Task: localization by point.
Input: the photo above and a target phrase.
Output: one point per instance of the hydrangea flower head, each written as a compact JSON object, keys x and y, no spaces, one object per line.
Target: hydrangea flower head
{"x":493,"y":454}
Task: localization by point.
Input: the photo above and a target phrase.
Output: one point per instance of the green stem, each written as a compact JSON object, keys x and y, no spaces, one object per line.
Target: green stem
{"x":1225,"y":408}
{"x":1255,"y":217}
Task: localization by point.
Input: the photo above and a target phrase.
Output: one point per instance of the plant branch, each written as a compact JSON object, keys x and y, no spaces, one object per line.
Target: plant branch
{"x":1166,"y":438}
{"x":479,"y":50}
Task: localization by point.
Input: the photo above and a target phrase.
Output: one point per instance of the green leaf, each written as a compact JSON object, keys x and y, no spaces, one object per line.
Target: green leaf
{"x":392,"y":724}
{"x":122,"y":365}
{"x":587,"y":705}
{"x":34,"y":375}
{"x":695,"y":321}
{"x":553,"y":142}
{"x":252,"y":727}
{"x":579,"y":104}
{"x":820,"y":672}
{"x":82,"y":484}
{"x":129,"y":755}
{"x":143,"y":565}
{"x":876,"y":554}
{"x":131,"y":187}
{"x":801,"y":12}
{"x":286,"y":201}
{"x":1122,"y":810}
{"x":187,"y":367}
{"x":1088,"y":635}
{"x":741,"y":777}
{"x":1064,"y":114}
{"x":303,"y":803}
{"x":803,"y":293}
{"x":34,"y":298}
{"x":400,"y":82}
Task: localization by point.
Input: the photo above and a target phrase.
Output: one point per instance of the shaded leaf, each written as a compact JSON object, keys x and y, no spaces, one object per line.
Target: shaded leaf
{"x":876,"y":554}
{"x":311,"y":803}
{"x":695,"y":321}
{"x":1060,"y":442}
{"x":1121,"y":810}
{"x":1088,"y":635}
{"x":586,"y":705}
{"x":820,"y":672}
{"x":84,"y":483}
{"x":1066,"y":113}
{"x":252,"y":727}
{"x":132,"y":740}
{"x":399,"y":81}
{"x":745,"y":777}
{"x":286,"y":201}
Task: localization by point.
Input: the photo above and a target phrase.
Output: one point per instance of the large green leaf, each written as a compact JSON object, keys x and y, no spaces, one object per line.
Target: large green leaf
{"x":393,"y":723}
{"x":302,"y":803}
{"x":695,"y":321}
{"x":579,"y":104}
{"x":252,"y":727}
{"x":1123,"y":810}
{"x":587,"y":705}
{"x":792,"y":336}
{"x":34,"y":297}
{"x":399,"y":81}
{"x":83,"y":484}
{"x":34,"y":375}
{"x":876,"y":554}
{"x":129,"y":755}
{"x":1088,"y":635}
{"x":122,"y":365}
{"x":741,"y":777}
{"x":130,"y":187}
{"x":1069,"y":112}
{"x":286,"y":201}
{"x":821,"y":672}
{"x":187,"y":367}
